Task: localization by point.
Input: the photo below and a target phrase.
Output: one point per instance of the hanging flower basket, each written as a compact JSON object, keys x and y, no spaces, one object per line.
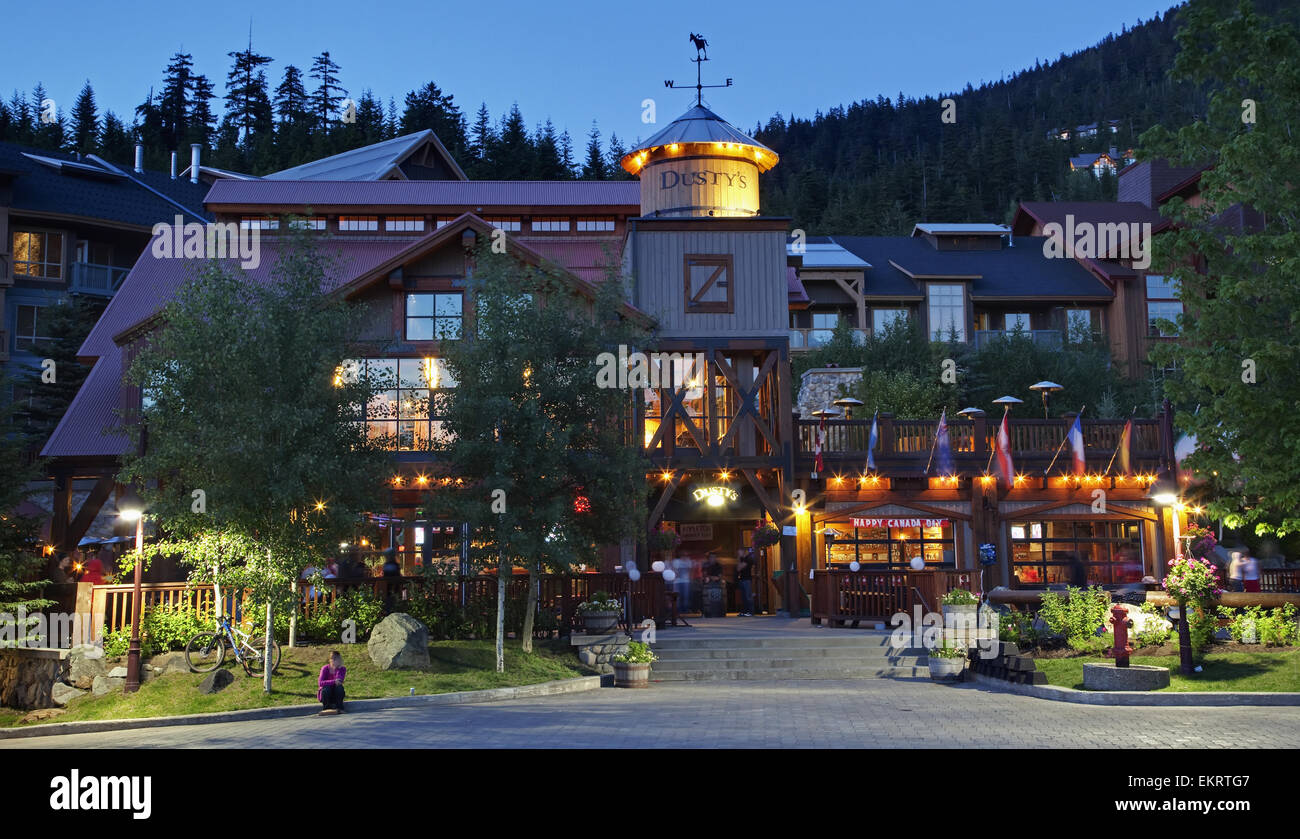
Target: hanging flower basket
{"x":662,"y":539}
{"x":766,"y":535}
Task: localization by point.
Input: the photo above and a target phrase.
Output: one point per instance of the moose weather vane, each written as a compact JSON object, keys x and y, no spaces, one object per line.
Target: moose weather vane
{"x":701,"y":56}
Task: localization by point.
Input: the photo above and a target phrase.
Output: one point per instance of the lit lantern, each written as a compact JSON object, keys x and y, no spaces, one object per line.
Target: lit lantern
{"x":657,"y":566}
{"x":582,"y":504}
{"x":917,"y":563}
{"x":855,"y":565}
{"x":670,"y":575}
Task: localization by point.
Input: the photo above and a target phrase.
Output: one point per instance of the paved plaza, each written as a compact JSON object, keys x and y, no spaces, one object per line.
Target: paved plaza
{"x":770,"y":715}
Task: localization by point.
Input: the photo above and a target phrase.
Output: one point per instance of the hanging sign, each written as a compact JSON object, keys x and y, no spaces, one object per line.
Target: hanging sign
{"x":716,"y":496}
{"x":695,"y":532}
{"x":866,"y":523}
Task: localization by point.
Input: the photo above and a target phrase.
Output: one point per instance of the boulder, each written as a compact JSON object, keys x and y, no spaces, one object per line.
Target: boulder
{"x":399,"y":642}
{"x":216,"y":681}
{"x":117,"y":673}
{"x":42,"y":714}
{"x":106,"y":684}
{"x":63,"y":694}
{"x":85,"y":662}
{"x":166,"y":663}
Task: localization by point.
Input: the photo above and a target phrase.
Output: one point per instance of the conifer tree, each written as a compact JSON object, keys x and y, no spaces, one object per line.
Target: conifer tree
{"x":85,"y":121}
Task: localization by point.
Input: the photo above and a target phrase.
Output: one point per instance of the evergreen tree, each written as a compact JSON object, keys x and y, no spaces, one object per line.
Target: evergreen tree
{"x":85,"y":121}
{"x":613,"y":167}
{"x":515,"y":155}
{"x":248,"y":108}
{"x":482,"y":143}
{"x":291,"y":98}
{"x":370,"y":124}
{"x":174,"y":103}
{"x":20,"y":563}
{"x":202,"y":121}
{"x":20,"y":120}
{"x":549,"y":166}
{"x":115,"y":141}
{"x":327,"y":95}
{"x":148,"y":129}
{"x":50,"y":127}
{"x":69,"y":321}
{"x":594,"y":168}
{"x":428,"y":108}
{"x":566,"y":155}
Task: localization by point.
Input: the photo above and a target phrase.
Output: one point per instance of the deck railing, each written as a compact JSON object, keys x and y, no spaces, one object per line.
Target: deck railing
{"x":90,"y":278}
{"x":877,"y":594}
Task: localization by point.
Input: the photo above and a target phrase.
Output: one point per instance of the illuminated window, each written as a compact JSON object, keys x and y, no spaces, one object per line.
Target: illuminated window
{"x":550,"y":225}
{"x":1077,"y":553}
{"x":404,"y":224}
{"x":947,"y":303}
{"x":510,"y":224}
{"x":353,"y":224}
{"x":433,"y":316}
{"x":1162,"y":304}
{"x":37,"y":254}
{"x":596,"y":224}
{"x":406,"y":410}
{"x":259,"y":223}
{"x":885,"y":546}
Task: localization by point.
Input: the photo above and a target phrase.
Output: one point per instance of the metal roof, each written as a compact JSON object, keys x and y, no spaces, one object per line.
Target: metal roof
{"x":699,"y":125}
{"x":489,"y":196}
{"x":826,"y":255}
{"x":374,"y":162}
{"x":960,"y":229}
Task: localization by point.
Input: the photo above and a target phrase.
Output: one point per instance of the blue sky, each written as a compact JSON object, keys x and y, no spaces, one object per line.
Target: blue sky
{"x":572,"y":60}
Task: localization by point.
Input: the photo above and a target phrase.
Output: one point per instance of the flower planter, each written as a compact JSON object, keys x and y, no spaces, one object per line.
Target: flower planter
{"x":946,"y":668}
{"x":628,"y":674}
{"x":961,"y":615}
{"x":600,"y":623}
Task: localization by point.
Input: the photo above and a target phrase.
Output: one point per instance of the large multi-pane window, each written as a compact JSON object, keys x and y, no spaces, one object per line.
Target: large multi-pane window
{"x":404,"y":224}
{"x":1077,"y":553}
{"x":259,"y":223}
{"x":823,"y":327}
{"x":595,"y":224}
{"x":357,"y":224}
{"x":883,"y":319}
{"x":947,"y":306}
{"x":510,"y":224}
{"x":37,"y":254}
{"x":1080,"y":324}
{"x":433,"y":316}
{"x":28,"y":326}
{"x":550,"y":225}
{"x":407,"y":407}
{"x":1162,"y":303}
{"x":890,"y":543}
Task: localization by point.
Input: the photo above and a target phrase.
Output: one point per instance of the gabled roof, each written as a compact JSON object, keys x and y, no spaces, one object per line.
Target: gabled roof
{"x":827,"y":255}
{"x":92,"y":188}
{"x":499,"y":196}
{"x":375,"y":162}
{"x":1086,"y":161}
{"x":902,"y":263}
{"x":699,"y":126}
{"x":1033,"y":213}
{"x":959,"y":229}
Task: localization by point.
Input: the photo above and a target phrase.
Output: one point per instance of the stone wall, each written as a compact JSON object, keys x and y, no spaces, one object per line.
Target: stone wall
{"x":820,"y":387}
{"x":595,"y":651}
{"x":27,"y":676}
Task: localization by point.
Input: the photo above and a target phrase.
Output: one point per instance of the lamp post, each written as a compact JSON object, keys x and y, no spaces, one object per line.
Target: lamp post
{"x":131,"y":508}
{"x":1165,"y":493}
{"x":1046,"y":388}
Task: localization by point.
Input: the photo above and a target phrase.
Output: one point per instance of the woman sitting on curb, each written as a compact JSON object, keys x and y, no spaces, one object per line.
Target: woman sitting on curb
{"x":330,"y":691}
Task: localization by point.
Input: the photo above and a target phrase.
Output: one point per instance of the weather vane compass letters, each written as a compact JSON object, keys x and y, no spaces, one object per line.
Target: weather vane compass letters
{"x":701,"y":55}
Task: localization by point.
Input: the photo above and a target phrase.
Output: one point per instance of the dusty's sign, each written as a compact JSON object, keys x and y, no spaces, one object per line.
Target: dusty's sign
{"x":927,"y":523}
{"x":702,"y":177}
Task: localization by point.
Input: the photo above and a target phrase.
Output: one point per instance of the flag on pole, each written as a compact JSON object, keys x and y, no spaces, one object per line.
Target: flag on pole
{"x":871,"y":444}
{"x":817,"y":445}
{"x":1003,"y":448}
{"x":944,"y":447}
{"x":1076,"y":444}
{"x":1125,"y":448}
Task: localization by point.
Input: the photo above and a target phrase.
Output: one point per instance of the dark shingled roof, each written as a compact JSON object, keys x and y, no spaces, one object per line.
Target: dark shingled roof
{"x":93,"y":189}
{"x":493,"y":196}
{"x":1021,"y":271}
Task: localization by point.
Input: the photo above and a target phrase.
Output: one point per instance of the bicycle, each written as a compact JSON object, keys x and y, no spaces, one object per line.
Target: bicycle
{"x":206,"y":651}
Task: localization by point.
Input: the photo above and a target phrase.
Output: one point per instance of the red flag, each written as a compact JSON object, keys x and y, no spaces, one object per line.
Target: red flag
{"x":817,"y":445}
{"x":1003,"y":448}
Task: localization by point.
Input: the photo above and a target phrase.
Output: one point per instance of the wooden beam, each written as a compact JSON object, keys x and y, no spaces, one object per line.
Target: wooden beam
{"x":90,"y":508}
{"x":657,"y":513}
{"x":771,"y":507}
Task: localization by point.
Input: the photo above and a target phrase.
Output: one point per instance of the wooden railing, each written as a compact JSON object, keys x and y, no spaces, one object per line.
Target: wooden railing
{"x":1280,"y":580}
{"x":875,"y":595}
{"x":1031,"y":439}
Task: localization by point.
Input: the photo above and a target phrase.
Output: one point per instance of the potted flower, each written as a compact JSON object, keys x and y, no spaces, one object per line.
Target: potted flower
{"x":946,"y":661}
{"x":600,"y":613}
{"x":632,"y":668}
{"x":766,"y":535}
{"x":959,"y":604}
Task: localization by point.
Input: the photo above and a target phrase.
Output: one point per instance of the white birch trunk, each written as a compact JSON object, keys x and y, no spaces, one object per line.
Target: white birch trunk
{"x":293,"y":616}
{"x":502,"y":571}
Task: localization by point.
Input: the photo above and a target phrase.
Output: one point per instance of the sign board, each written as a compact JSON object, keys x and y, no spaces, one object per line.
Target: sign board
{"x":695,"y":532}
{"x":789,"y":530}
{"x":868,"y":523}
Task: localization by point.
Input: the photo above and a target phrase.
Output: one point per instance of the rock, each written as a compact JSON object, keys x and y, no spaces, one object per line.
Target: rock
{"x":117,"y":673}
{"x":43,"y":714}
{"x":399,"y":642}
{"x":63,"y":694}
{"x":216,"y":681}
{"x":85,"y":662}
{"x":106,"y":684}
{"x":173,"y":662}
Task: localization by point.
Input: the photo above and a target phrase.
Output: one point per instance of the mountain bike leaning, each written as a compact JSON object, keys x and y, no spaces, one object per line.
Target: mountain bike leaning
{"x":206,"y":651}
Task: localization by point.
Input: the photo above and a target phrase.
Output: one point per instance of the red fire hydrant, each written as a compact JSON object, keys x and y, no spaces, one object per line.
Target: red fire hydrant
{"x":1122,"y":622}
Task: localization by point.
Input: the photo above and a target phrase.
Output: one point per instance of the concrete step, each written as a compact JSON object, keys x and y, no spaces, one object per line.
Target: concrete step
{"x":789,"y":673}
{"x":854,"y":641}
{"x":776,"y":663}
{"x":856,"y":653}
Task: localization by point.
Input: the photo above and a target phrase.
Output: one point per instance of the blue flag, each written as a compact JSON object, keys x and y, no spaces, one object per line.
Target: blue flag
{"x":871,"y":444}
{"x":944,"y":447}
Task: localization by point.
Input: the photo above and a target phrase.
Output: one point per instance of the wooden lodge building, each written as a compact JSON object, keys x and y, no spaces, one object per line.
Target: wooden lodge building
{"x":716,"y":277}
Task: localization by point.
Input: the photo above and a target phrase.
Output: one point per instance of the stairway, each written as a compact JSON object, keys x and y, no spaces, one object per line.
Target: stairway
{"x":833,"y":655}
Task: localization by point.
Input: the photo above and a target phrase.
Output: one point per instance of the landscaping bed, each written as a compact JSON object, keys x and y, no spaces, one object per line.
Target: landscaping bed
{"x":1236,"y":667}
{"x":455,"y":666}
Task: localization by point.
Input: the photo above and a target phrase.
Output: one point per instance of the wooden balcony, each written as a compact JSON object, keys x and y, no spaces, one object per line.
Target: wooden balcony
{"x":904,"y":446}
{"x":1043,"y":337}
{"x":802,"y":340}
{"x":102,"y":280}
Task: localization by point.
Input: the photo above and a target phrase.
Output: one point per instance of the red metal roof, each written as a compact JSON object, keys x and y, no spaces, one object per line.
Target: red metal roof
{"x":588,"y":258}
{"x":91,"y":425}
{"x":472,"y":194}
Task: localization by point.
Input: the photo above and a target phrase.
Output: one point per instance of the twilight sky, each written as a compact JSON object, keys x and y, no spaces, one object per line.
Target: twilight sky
{"x":572,"y":60}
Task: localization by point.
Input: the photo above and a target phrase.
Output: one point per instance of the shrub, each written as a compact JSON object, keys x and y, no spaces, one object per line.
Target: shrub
{"x":1155,"y":629}
{"x":600,"y":601}
{"x":162,"y":628}
{"x":1078,"y":615}
{"x":959,"y":597}
{"x":637,"y":653}
{"x":117,"y":643}
{"x":1255,"y":625}
{"x":1018,"y":628}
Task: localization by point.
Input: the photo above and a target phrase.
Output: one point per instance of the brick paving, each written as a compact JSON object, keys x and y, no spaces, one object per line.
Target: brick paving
{"x":870,"y":713}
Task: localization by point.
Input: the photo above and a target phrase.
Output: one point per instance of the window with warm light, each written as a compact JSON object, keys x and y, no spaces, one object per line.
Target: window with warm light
{"x":37,"y":254}
{"x":888,"y":547}
{"x":408,"y":399}
{"x":1066,"y":552}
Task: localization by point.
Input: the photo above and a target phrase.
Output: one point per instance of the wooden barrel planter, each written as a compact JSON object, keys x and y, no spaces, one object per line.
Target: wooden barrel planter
{"x":628,"y":674}
{"x":600,"y":623}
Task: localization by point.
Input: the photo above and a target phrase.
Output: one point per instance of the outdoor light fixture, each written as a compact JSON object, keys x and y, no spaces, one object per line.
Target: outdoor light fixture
{"x":848,"y":403}
{"x":1045,"y":388}
{"x":131,"y":507}
{"x":716,"y":496}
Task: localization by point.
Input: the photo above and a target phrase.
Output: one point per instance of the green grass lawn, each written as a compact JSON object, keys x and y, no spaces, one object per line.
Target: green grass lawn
{"x":1223,"y":671}
{"x":456,"y":666}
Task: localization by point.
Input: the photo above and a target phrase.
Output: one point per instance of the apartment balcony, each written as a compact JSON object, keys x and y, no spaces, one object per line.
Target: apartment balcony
{"x":1043,"y":337}
{"x":90,"y":278}
{"x":803,"y":340}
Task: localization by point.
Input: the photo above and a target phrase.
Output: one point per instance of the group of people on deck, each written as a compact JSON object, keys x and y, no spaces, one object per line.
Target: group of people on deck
{"x":712,"y":571}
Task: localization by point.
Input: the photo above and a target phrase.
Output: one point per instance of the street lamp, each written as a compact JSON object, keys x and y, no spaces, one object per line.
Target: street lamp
{"x":1046,"y":388}
{"x":131,"y":508}
{"x":1165,"y":493}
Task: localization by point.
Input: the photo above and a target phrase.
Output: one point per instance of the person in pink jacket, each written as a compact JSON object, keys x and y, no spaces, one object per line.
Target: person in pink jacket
{"x":330,"y":685}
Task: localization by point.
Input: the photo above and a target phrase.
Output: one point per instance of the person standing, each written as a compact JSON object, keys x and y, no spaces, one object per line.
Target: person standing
{"x":745,"y":580}
{"x":1249,"y":572}
{"x":1234,"y":571}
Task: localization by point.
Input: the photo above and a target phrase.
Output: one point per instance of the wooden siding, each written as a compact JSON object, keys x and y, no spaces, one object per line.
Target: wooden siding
{"x":759,"y":277}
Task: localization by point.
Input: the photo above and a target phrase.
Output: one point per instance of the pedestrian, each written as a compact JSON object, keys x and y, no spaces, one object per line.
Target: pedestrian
{"x":714,"y":605}
{"x":682,"y":582}
{"x":745,"y":580}
{"x":93,"y":572}
{"x":1249,"y":572}
{"x":330,"y":685}
{"x":1234,"y":571}
{"x":64,"y":571}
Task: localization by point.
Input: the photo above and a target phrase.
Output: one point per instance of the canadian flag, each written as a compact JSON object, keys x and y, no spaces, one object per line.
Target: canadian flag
{"x":1003,"y":446}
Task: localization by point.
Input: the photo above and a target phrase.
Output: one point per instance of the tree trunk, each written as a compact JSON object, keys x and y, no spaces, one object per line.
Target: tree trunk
{"x":293,"y":615}
{"x":268,"y":660}
{"x":503,"y":571}
{"x":530,"y":609}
